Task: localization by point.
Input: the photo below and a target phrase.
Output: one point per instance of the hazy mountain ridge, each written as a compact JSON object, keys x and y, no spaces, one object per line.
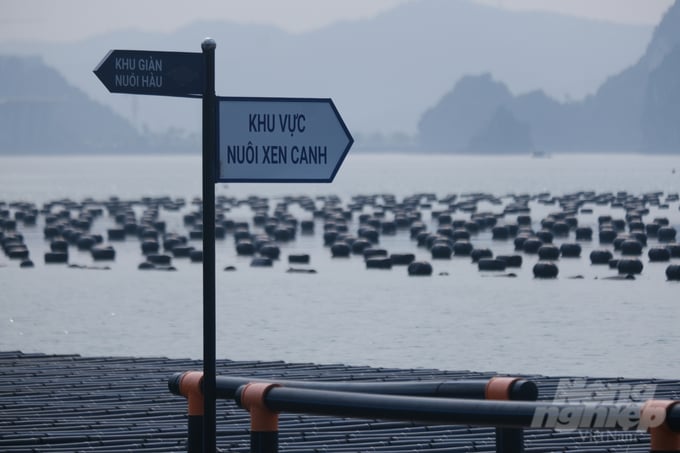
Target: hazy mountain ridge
{"x":381,"y":72}
{"x":40,"y":113}
{"x":634,"y":110}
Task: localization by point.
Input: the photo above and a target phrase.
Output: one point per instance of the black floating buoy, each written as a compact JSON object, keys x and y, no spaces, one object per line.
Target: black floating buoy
{"x":85,"y":242}
{"x":196,"y":256}
{"x":548,"y":252}
{"x":375,"y":253}
{"x":103,"y":253}
{"x":182,"y":251}
{"x":116,"y":234}
{"x":490,"y":264}
{"x":629,"y":266}
{"x":460,"y":234}
{"x":441,"y":251}
{"x":25,"y":264}
{"x":478,"y":254}
{"x":607,"y":235}
{"x":511,"y":260}
{"x":600,"y":256}
{"x":155,"y":258}
{"x":59,"y":245}
{"x":673,"y":272}
{"x":307,"y":226}
{"x":462,"y":248}
{"x":674,"y":249}
{"x":545,"y":236}
{"x":150,"y":246}
{"x":302,"y":258}
{"x":244,"y":248}
{"x":659,"y":254}
{"x":519,"y":242}
{"x":420,"y":268}
{"x":531,"y":245}
{"x":379,"y":263}
{"x":631,"y":247}
{"x":56,"y":257}
{"x":230,"y":268}
{"x":18,"y":252}
{"x":560,"y":228}
{"x":329,"y":237}
{"x":523,"y":220}
{"x":584,"y":234}
{"x":652,"y":229}
{"x":402,"y":259}
{"x":340,"y":250}
{"x":500,"y":232}
{"x":545,"y":269}
{"x":261,"y":261}
{"x":360,"y":245}
{"x":270,"y":251}
{"x":666,"y":234}
{"x":569,"y":250}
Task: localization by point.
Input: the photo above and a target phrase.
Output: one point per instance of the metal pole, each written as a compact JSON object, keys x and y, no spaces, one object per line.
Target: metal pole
{"x":209,"y":143}
{"x":190,"y":386}
{"x":264,"y":423}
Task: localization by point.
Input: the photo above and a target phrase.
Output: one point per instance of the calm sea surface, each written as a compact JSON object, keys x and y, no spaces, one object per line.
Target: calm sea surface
{"x":345,"y":313}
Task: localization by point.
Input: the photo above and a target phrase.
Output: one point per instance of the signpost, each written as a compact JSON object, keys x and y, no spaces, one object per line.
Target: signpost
{"x":259,"y":140}
{"x":177,"y":74}
{"x":280,"y":140}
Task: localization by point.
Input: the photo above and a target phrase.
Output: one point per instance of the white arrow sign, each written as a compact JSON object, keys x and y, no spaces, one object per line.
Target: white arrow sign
{"x":280,"y":140}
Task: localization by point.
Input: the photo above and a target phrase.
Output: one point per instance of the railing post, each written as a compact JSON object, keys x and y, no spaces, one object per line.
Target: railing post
{"x":508,"y":440}
{"x":190,"y":386}
{"x":654,"y":416}
{"x":264,"y":423}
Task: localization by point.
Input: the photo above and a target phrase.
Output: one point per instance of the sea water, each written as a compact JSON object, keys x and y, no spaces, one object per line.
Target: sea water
{"x":459,"y":318}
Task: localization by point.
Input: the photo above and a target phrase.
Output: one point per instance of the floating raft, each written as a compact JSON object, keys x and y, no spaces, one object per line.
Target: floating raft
{"x":69,"y":403}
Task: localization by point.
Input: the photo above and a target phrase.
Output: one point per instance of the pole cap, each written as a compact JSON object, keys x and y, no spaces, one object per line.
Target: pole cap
{"x":208,"y":44}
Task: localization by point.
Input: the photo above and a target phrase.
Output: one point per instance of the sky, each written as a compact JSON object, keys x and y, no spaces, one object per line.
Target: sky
{"x":68,"y":20}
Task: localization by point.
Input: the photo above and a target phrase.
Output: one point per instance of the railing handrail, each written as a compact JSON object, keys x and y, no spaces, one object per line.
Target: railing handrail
{"x":518,"y":390}
{"x":508,"y":414}
{"x":189,"y":385}
{"x":506,"y":403}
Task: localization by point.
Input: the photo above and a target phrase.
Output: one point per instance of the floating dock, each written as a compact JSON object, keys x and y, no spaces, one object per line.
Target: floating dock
{"x":69,"y":403}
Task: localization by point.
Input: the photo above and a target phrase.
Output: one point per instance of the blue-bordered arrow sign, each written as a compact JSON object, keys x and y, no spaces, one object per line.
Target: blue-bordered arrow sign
{"x":152,"y":72}
{"x":280,"y":140}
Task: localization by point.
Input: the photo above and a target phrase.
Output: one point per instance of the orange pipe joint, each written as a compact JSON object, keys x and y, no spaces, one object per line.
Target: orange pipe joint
{"x":653,"y":416}
{"x":262,"y":419}
{"x":498,"y":388}
{"x":191,"y":387}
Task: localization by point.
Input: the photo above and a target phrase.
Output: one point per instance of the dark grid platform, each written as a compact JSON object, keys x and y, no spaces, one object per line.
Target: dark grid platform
{"x":69,"y":403}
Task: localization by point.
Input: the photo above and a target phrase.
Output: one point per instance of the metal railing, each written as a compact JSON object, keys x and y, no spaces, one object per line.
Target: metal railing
{"x":508,"y":404}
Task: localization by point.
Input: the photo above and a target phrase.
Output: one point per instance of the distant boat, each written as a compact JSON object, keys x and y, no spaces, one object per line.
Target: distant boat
{"x":540,"y":154}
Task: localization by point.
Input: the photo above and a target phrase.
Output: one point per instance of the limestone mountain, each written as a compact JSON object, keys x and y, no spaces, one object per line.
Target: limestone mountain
{"x":41,"y":113}
{"x":637,"y":109}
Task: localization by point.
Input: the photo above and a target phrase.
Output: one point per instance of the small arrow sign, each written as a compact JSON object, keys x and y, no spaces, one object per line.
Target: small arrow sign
{"x":280,"y":140}
{"x":151,"y":72}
